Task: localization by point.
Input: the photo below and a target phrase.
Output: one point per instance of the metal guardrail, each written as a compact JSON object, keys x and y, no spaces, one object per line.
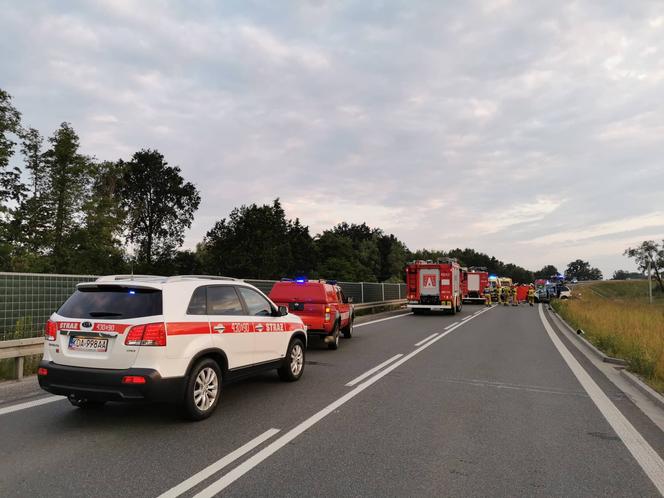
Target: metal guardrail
{"x":377,"y":304}
{"x":18,"y":349}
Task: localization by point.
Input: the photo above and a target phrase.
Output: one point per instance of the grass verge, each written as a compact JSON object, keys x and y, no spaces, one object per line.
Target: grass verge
{"x":618,"y":320}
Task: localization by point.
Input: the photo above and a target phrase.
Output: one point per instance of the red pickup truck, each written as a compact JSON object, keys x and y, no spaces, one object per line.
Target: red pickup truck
{"x":320,"y":304}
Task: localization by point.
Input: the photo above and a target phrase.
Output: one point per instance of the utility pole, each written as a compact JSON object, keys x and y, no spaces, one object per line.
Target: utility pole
{"x":649,"y":282}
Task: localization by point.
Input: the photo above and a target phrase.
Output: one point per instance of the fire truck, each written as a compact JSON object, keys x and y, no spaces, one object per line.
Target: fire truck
{"x":434,"y":286}
{"x":477,"y":279}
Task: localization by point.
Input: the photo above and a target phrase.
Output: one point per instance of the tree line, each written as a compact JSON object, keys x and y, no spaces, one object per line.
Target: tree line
{"x":65,"y":212}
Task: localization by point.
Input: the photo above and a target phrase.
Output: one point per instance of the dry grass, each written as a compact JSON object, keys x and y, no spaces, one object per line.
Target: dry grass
{"x":617,"y":318}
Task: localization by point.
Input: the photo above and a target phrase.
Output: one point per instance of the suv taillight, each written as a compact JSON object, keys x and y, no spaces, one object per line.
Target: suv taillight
{"x":50,"y":330}
{"x":152,"y":334}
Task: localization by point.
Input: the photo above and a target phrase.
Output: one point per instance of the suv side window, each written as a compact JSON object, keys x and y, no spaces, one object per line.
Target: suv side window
{"x":198,"y":303}
{"x":340,"y":296}
{"x":223,"y":300}
{"x":257,"y":305}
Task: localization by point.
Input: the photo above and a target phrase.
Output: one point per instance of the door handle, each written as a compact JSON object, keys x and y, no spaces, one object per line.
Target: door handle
{"x":219,"y":328}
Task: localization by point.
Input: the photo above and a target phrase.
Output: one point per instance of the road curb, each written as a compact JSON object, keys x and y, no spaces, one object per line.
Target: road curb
{"x":636,"y":381}
{"x":603,"y":357}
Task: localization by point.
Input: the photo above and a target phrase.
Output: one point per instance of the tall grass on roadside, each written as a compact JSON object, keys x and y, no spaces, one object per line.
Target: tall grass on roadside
{"x":617,"y":318}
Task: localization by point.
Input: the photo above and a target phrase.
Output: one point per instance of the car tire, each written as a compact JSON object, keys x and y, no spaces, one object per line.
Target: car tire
{"x":293,"y":365}
{"x":348,"y":330}
{"x":334,"y":345}
{"x":86,"y":403}
{"x":203,"y":383}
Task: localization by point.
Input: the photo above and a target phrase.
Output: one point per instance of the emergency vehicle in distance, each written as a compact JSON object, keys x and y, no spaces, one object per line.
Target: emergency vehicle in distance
{"x":321,"y":304}
{"x":434,"y":286}
{"x":176,"y":339}
{"x":476,"y":280}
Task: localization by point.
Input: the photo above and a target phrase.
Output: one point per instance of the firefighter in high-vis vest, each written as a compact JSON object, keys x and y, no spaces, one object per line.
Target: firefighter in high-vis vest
{"x":506,"y":295}
{"x":487,"y":295}
{"x":515,"y":297}
{"x":531,"y":295}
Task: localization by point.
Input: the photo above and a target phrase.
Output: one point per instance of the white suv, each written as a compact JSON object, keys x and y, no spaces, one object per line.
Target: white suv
{"x":124,"y":338}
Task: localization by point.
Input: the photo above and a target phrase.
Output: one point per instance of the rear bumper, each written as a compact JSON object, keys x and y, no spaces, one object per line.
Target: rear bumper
{"x":429,"y":306}
{"x":106,"y":385}
{"x":319,"y":332}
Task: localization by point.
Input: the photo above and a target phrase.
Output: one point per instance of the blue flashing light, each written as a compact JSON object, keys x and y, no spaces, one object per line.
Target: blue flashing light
{"x":300,"y":280}
{"x":132,"y":292}
{"x":493,"y":276}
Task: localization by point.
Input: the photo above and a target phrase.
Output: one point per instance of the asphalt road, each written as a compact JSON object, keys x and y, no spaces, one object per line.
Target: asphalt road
{"x":486,"y":407}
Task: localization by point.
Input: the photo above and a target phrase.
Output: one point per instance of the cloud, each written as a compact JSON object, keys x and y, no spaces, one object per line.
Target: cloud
{"x":531,"y":131}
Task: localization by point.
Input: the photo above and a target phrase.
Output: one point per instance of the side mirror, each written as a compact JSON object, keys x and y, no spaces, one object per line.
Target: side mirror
{"x":283,"y":310}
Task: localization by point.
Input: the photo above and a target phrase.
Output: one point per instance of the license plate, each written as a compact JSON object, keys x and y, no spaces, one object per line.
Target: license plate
{"x":88,"y":344}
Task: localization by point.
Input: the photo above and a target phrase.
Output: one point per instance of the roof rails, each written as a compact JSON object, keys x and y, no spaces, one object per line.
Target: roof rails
{"x":114,"y":278}
{"x":197,"y":277}
{"x":160,"y":278}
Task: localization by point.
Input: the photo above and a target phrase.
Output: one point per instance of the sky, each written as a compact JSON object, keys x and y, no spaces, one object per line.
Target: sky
{"x":532,"y":131}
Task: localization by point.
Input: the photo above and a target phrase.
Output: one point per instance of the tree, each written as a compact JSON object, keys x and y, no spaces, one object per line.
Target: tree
{"x":31,"y":226}
{"x":254,"y":242}
{"x":649,"y":252}
{"x":11,"y":187}
{"x":393,"y":258}
{"x":626,"y":275}
{"x":366,"y":254}
{"x":302,"y":249}
{"x":546,"y":272}
{"x":370,"y":254}
{"x":31,"y":148}
{"x":97,"y":240}
{"x":581,"y":270}
{"x":338,"y":258}
{"x":68,"y":177}
{"x":158,"y":205}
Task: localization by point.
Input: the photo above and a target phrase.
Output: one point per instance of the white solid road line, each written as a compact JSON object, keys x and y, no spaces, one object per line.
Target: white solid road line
{"x":373,"y":370}
{"x":382,"y":319}
{"x":647,"y":458}
{"x":467,"y":317}
{"x":218,"y":465}
{"x":253,"y":461}
{"x":30,"y":404}
{"x":425,"y":340}
{"x":451,"y":325}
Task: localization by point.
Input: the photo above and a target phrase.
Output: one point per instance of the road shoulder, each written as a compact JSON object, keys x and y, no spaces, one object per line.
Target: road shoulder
{"x":646,"y":416}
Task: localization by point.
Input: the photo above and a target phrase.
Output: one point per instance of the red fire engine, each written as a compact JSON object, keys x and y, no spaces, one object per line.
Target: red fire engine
{"x":434,"y":285}
{"x":477,"y":279}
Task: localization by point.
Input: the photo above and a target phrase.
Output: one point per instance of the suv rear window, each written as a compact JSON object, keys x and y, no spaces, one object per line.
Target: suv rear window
{"x":112,"y":303}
